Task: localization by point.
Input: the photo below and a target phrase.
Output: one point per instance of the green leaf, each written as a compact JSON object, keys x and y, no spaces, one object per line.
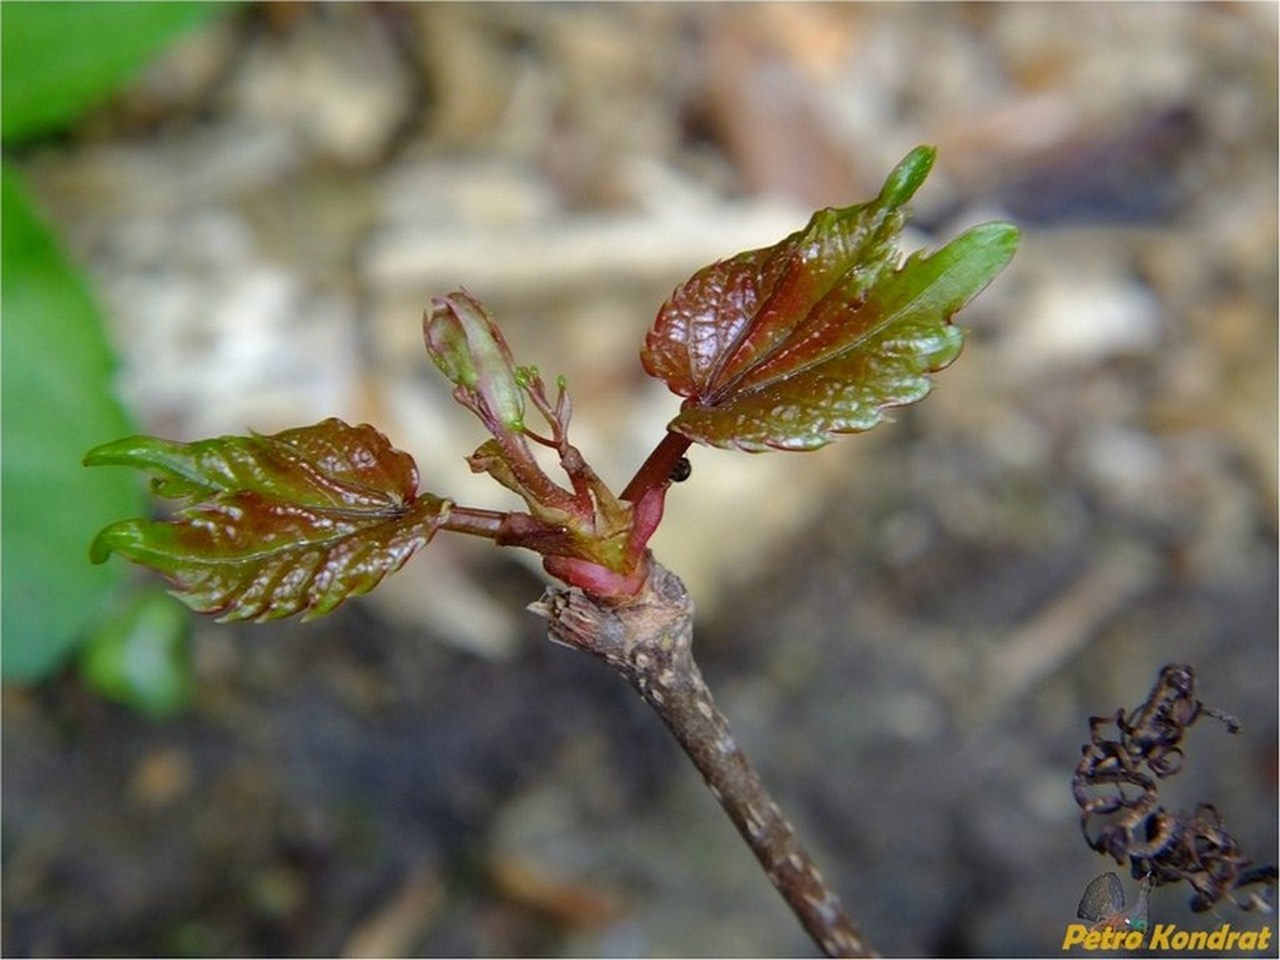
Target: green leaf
{"x":293,"y":522}
{"x":57,"y":400}
{"x":787,"y":346}
{"x":141,"y":656}
{"x":60,"y":59}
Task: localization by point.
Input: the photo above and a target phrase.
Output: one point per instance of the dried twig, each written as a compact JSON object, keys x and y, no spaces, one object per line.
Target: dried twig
{"x":648,"y":639}
{"x":1116,"y":788}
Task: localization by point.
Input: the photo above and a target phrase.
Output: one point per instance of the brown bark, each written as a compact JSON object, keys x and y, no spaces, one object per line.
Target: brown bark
{"x":648,"y":639}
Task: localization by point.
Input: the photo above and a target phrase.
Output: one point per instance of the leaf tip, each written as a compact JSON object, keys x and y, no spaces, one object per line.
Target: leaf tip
{"x":109,"y":540}
{"x":907,"y":176}
{"x":1000,"y":236}
{"x":110,"y":454}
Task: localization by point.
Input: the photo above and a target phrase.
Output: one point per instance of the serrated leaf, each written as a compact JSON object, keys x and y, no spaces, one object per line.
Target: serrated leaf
{"x":786,"y":346}
{"x":293,"y":522}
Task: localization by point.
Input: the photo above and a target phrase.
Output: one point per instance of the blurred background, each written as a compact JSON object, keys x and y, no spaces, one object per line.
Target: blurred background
{"x":909,"y":629}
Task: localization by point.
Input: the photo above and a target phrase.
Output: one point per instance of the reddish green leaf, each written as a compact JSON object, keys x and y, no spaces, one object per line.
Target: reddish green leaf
{"x":293,"y":522}
{"x":786,"y":346}
{"x":467,"y":346}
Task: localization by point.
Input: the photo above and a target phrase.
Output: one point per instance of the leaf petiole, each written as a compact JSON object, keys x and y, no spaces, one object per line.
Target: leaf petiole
{"x":658,"y":467}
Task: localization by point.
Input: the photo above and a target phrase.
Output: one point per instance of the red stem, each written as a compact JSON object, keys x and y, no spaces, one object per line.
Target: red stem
{"x":474,"y":521}
{"x":542,"y":488}
{"x":657,"y":468}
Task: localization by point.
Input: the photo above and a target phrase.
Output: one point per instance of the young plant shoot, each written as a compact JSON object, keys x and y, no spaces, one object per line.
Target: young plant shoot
{"x":780,"y":348}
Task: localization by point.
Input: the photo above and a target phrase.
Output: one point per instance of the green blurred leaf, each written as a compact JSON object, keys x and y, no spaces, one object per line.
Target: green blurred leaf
{"x":140,"y":656}
{"x":293,"y":522}
{"x":59,"y":59}
{"x":56,"y":401}
{"x":786,"y":346}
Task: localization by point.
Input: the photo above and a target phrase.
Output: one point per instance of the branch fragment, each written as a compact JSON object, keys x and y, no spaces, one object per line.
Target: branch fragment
{"x":648,"y":639}
{"x":1116,"y":787}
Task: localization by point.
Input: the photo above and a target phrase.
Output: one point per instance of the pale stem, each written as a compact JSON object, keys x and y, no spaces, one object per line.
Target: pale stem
{"x":648,"y":639}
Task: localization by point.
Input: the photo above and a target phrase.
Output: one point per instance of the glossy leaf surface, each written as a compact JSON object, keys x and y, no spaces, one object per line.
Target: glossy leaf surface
{"x":293,"y":522}
{"x":786,"y":346}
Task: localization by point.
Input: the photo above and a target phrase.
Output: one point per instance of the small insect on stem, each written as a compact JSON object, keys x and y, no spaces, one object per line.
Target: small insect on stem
{"x":681,"y":471}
